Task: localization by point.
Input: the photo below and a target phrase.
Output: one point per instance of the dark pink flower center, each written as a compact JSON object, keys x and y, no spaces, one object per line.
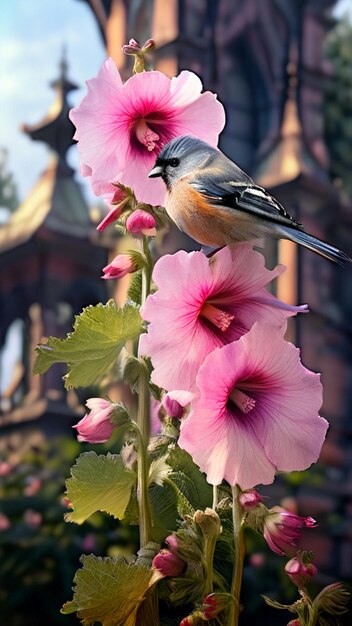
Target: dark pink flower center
{"x":245,"y":403}
{"x":145,"y":135}
{"x":216,"y":316}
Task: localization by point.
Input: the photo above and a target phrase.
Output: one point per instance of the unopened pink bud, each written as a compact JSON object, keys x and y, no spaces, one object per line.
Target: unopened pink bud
{"x":96,"y":427}
{"x":295,"y":622}
{"x":215,"y":603}
{"x":282,"y":529}
{"x":119,"y":267}
{"x":299,"y":572}
{"x":176,"y":402}
{"x":168,"y":564}
{"x":141,"y":223}
{"x":172,"y":543}
{"x":187,"y":621}
{"x":310,"y":522}
{"x":172,"y":407}
{"x":250,"y":499}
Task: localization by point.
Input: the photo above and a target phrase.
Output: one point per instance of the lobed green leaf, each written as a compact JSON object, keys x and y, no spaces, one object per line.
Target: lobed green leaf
{"x":98,"y":483}
{"x":109,"y":591}
{"x":91,"y":349}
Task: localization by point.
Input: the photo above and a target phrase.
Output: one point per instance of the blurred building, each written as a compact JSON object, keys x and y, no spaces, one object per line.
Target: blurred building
{"x":265,"y":59}
{"x":51,"y":258}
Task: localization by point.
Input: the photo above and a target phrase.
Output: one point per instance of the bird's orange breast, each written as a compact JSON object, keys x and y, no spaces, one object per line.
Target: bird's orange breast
{"x":208,"y":224}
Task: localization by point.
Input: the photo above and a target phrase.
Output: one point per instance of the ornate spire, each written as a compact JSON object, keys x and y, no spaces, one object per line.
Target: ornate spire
{"x":55,"y":129}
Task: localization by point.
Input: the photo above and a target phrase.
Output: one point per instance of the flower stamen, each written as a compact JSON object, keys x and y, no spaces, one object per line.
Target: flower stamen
{"x":242,"y":401}
{"x":216,"y":316}
{"x":146,"y":135}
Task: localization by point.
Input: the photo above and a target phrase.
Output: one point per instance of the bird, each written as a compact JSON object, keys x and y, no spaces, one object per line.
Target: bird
{"x":217,"y":204}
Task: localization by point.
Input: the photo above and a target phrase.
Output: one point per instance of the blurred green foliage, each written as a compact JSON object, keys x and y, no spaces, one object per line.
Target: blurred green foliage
{"x":338,"y":105}
{"x":39,"y":552}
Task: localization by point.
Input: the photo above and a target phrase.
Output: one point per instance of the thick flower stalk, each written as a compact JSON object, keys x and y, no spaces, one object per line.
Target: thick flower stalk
{"x":255,"y":401}
{"x":207,"y":304}
{"x":121,"y":127}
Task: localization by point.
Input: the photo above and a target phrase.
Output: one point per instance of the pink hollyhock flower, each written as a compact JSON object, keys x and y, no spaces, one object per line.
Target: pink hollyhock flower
{"x":202,"y":304}
{"x":249,"y":500}
{"x":121,"y":128}
{"x":96,"y":427}
{"x":282,"y":529}
{"x":141,"y":223}
{"x":256,"y":412}
{"x":119,"y":267}
{"x":300,"y":571}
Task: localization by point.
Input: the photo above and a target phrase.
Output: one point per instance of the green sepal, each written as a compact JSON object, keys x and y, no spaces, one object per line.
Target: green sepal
{"x":91,"y":349}
{"x":109,"y":591}
{"x":98,"y":483}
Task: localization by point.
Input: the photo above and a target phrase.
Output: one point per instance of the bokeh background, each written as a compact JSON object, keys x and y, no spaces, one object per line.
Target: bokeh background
{"x":283,"y":70}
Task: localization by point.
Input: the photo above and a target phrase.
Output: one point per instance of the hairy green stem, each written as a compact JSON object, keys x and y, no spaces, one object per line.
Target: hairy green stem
{"x":209,"y":550}
{"x":238,"y":538}
{"x":143,"y":422}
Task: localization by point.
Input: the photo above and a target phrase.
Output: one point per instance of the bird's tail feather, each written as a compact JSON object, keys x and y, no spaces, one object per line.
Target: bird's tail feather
{"x":321,"y":247}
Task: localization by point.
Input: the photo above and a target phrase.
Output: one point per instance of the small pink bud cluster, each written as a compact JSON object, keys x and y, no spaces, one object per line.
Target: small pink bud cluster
{"x":300,"y":571}
{"x":282,"y":529}
{"x":167,"y":561}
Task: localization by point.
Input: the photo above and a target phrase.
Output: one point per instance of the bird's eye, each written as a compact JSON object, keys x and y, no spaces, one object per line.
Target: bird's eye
{"x":174,"y":162}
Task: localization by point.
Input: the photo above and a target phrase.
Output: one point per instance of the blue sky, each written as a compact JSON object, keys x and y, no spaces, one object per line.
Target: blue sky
{"x":32,"y":34}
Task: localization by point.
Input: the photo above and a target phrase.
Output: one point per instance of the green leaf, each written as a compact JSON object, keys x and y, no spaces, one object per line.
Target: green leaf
{"x":189,"y":479}
{"x":109,"y":591}
{"x":99,"y":334}
{"x":98,"y":483}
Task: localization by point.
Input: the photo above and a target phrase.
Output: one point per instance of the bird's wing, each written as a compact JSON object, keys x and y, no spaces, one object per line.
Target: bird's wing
{"x":229,"y":186}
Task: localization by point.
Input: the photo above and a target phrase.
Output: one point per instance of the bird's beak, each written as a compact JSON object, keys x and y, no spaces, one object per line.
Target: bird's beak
{"x":156,"y":171}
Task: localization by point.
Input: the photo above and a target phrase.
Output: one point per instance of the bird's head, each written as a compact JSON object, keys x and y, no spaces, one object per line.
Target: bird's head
{"x":180,"y":157}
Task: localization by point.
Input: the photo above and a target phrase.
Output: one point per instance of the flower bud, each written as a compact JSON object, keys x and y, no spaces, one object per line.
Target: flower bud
{"x":149,"y":45}
{"x":176,"y":402}
{"x":121,"y":265}
{"x":209,"y":521}
{"x":215,"y":603}
{"x":282,"y":529}
{"x":141,"y":223}
{"x":168,"y":563}
{"x":132,"y":47}
{"x":300,"y":572}
{"x":96,"y":427}
{"x":295,"y":622}
{"x":250,"y":499}
{"x":112,"y":216}
{"x":172,"y":543}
